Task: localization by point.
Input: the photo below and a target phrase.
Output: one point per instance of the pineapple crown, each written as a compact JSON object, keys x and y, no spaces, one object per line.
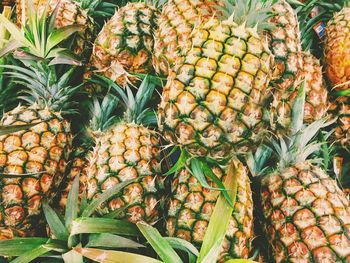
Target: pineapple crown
{"x":6,"y":89}
{"x":251,"y":13}
{"x":102,"y":113}
{"x":38,"y":39}
{"x":300,"y":145}
{"x":98,"y":8}
{"x":44,"y":88}
{"x":155,"y":3}
{"x":134,"y":105}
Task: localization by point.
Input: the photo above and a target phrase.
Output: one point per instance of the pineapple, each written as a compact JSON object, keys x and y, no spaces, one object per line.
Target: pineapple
{"x":125,"y":151}
{"x":77,"y":168}
{"x":285,"y":45}
{"x":213,"y":101}
{"x":316,"y":105}
{"x":341,"y":108}
{"x":33,"y":161}
{"x":125,"y":43}
{"x":69,"y":12}
{"x":336,"y":59}
{"x":176,"y":23}
{"x":337,"y":46}
{"x":191,"y":205}
{"x":306,"y":214}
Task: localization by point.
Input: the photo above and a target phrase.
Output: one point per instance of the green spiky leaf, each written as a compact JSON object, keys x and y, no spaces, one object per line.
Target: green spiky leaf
{"x":220,"y":218}
{"x":56,"y":225}
{"x":107,"y":240}
{"x":298,"y":111}
{"x":18,"y":246}
{"x":109,"y":256}
{"x":61,"y":34}
{"x":86,"y":225}
{"x":181,"y":163}
{"x":181,"y":244}
{"x":36,"y":252}
{"x":159,"y":244}
{"x":72,"y":206}
{"x":72,"y":256}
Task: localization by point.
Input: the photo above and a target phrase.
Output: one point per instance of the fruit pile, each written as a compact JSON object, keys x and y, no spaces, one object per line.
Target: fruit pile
{"x":175,"y":131}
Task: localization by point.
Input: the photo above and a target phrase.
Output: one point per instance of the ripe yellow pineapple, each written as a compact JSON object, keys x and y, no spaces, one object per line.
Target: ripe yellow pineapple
{"x":33,"y":161}
{"x":337,"y":49}
{"x":285,"y":45}
{"x":306,"y":214}
{"x":69,"y":13}
{"x":214,"y":101}
{"x":316,"y":104}
{"x":124,"y":151}
{"x":125,"y":43}
{"x":176,"y":23}
{"x":191,"y":206}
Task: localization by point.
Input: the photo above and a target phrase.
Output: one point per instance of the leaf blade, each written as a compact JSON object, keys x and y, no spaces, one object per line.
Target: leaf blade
{"x":108,"y":256}
{"x":220,"y":218}
{"x":159,"y":244}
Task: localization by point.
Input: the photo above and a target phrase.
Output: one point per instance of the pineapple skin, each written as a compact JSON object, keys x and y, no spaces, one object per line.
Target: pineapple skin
{"x":77,"y":168}
{"x":307,"y":215}
{"x":43,"y":149}
{"x":191,"y":206}
{"x":125,"y":43}
{"x":285,"y":45}
{"x":337,"y":49}
{"x":340,"y":108}
{"x":69,"y":13}
{"x":176,"y":23}
{"x":316,"y":99}
{"x":213,"y":102}
{"x":127,"y":151}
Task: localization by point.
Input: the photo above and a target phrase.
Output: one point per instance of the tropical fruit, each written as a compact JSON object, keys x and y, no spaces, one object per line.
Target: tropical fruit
{"x":125,"y":43}
{"x":340,"y":109}
{"x":285,"y":45}
{"x":176,"y":23}
{"x":337,"y":46}
{"x":191,"y":206}
{"x":77,"y":168}
{"x":306,"y":214}
{"x":33,"y":161}
{"x":213,"y":102}
{"x":126,"y":151}
{"x":316,"y":104}
{"x":69,"y":13}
